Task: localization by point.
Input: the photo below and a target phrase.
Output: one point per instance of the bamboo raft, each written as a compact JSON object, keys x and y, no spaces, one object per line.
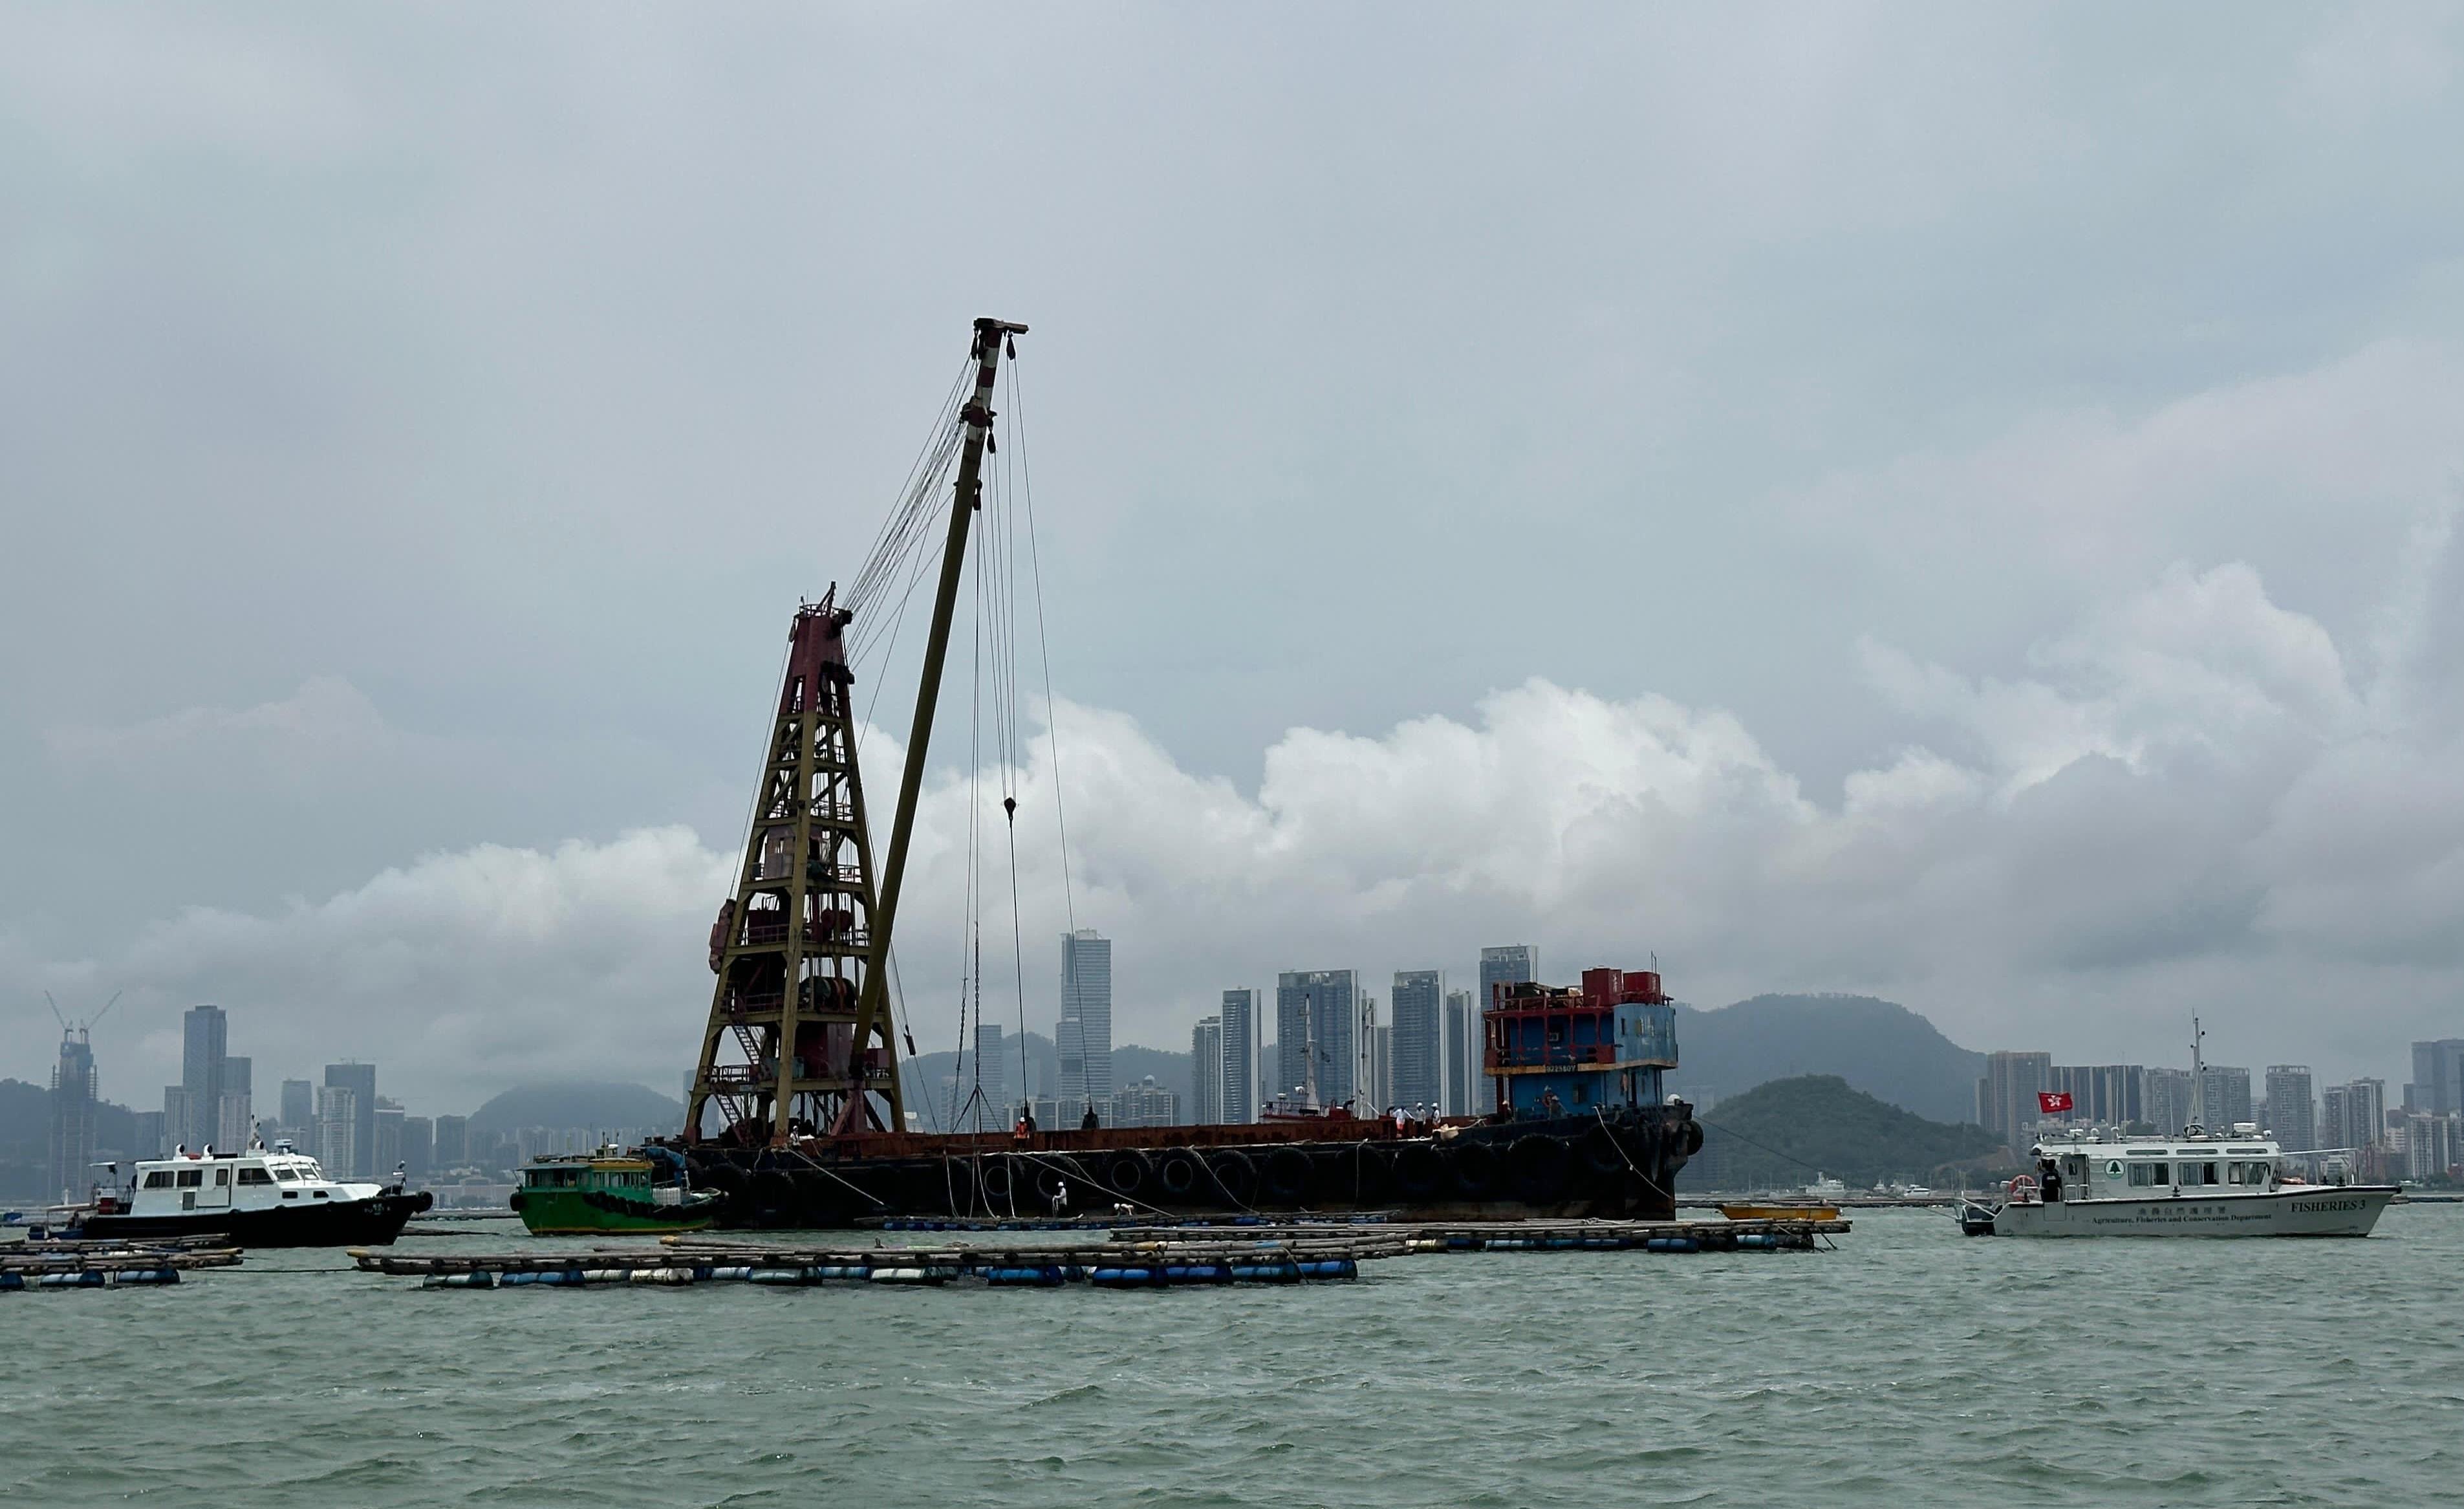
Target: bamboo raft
{"x":681,"y":1260}
{"x":1148,"y":1256}
{"x":1723,"y":1236}
{"x":55,"y":1263}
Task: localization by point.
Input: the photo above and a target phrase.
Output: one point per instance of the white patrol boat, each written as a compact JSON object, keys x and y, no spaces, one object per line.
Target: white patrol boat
{"x":2199,"y":1184}
{"x":259,"y":1198}
{"x":2195,"y":1185}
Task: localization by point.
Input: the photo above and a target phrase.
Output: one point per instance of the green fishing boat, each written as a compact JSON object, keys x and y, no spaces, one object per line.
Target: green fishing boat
{"x":611,"y":1191}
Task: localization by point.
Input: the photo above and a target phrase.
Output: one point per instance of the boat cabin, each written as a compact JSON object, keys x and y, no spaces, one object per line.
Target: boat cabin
{"x":255,"y":1180}
{"x":609,"y":1171}
{"x":1554,"y":1051}
{"x":2148,"y":1167}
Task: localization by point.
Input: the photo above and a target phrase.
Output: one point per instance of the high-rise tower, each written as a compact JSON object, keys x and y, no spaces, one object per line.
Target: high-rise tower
{"x":73,"y":1097}
{"x":1085,"y":1031}
{"x":203,"y":1035}
{"x":1316,"y":1011}
{"x":1420,"y":1039}
{"x":1241,"y":1056}
{"x":1509,"y":964}
{"x":354,"y":1151}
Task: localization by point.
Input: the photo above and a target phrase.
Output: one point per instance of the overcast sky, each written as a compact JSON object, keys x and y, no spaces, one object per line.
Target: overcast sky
{"x":1953,"y":502}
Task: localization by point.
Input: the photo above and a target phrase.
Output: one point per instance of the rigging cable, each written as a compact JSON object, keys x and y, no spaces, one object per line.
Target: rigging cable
{"x":1043,"y":646}
{"x":1012,"y":760}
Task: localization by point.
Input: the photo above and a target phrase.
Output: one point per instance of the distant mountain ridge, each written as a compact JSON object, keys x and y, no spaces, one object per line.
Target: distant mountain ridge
{"x":1880,"y":1047}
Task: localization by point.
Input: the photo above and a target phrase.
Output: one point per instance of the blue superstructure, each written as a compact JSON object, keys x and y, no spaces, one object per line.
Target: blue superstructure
{"x":1558,"y":1051}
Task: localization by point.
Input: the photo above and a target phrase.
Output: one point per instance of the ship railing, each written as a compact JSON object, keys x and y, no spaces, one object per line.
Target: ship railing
{"x":1551,"y":1057}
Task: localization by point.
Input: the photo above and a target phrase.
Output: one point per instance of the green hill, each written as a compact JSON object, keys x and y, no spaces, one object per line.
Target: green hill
{"x":1777,"y":1135}
{"x":604,"y":1107}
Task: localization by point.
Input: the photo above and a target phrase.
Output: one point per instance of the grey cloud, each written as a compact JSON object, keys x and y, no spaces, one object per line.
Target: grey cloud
{"x":1944,"y":502}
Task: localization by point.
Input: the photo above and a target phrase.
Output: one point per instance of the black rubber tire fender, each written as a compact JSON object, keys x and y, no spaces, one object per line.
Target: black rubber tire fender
{"x":518,"y":1199}
{"x":774,"y":1191}
{"x":1600,"y":1150}
{"x":1539,"y":1163}
{"x":1418,"y":1171}
{"x":996,"y":1181}
{"x":1692,"y":1133}
{"x":955,"y":1190}
{"x":1181,"y":1176}
{"x":1051,"y":1171}
{"x":1126,"y":1173}
{"x":828,"y":1201}
{"x":1368,"y":1174}
{"x":1232,"y":1178}
{"x":1475,"y":1169}
{"x":1285,"y":1177}
{"x":728,"y":1180}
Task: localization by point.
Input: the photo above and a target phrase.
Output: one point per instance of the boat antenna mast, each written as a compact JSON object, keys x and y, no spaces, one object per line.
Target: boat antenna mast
{"x":2198,"y":1079}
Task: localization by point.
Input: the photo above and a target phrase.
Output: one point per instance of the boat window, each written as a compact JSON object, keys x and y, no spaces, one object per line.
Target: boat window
{"x":2233,"y":1173}
{"x":287,"y":1174}
{"x":191,"y":1178}
{"x":254,"y":1176}
{"x":2199,"y":1174}
{"x":159,"y":1179}
{"x":2143,"y":1175}
{"x":222,"y":1177}
{"x":320,"y":1194}
{"x":2257,"y":1174}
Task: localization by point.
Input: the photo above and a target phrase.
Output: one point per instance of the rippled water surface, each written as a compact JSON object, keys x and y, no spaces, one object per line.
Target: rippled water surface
{"x":1910,"y":1365}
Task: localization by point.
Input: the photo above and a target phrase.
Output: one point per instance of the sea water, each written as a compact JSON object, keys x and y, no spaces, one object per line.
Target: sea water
{"x":1911,"y":1365}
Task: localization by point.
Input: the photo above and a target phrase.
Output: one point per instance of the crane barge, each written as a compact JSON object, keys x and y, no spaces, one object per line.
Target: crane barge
{"x":797,"y":1115}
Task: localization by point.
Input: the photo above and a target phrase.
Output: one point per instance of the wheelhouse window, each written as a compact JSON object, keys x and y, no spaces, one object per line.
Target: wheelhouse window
{"x":286,"y":1173}
{"x":2145,"y":1175}
{"x":159,"y":1179}
{"x":191,"y":1178}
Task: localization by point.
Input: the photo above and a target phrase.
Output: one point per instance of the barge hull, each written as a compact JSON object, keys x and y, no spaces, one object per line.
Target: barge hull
{"x":1618,"y":1166}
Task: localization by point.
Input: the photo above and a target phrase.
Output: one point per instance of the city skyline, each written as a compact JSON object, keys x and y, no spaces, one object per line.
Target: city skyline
{"x":2445,"y":1093}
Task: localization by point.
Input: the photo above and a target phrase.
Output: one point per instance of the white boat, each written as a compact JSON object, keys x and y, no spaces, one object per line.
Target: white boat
{"x":2196,"y":1185}
{"x":2199,"y":1184}
{"x":259,"y":1198}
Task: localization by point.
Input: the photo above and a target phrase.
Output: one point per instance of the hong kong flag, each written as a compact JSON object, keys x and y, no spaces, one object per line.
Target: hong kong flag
{"x":2051,"y":1101}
